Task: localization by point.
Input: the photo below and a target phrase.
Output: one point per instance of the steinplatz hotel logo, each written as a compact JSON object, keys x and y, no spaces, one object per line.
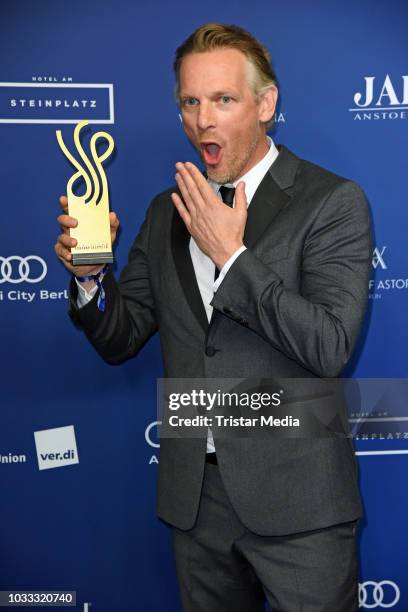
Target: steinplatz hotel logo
{"x":56,"y":102}
{"x":381,"y":98}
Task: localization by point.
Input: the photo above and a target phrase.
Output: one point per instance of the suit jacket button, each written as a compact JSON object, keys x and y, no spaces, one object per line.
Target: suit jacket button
{"x":210,"y":351}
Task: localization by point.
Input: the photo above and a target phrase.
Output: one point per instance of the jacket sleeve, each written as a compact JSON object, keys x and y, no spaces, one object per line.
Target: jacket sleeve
{"x":129,"y":318}
{"x":317,"y":326}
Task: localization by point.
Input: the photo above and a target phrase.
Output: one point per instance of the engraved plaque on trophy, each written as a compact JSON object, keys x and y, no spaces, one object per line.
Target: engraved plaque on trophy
{"x":91,"y":209}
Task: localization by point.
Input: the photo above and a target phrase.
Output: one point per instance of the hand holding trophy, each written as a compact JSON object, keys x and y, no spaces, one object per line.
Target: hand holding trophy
{"x":89,"y":230}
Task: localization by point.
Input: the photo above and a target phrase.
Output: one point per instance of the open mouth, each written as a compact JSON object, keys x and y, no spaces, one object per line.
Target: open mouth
{"x":211,"y":152}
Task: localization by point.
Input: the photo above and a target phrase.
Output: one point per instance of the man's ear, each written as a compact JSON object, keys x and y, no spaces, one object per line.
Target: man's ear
{"x":267,"y":104}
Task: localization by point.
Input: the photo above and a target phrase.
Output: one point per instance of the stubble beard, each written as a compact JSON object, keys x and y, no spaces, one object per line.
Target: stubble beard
{"x":235,"y":166}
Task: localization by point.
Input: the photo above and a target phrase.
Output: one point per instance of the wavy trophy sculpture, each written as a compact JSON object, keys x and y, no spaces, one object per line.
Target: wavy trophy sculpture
{"x":92,"y":208}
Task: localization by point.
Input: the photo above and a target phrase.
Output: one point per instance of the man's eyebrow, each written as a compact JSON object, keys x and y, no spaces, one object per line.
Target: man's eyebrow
{"x":215,"y":94}
{"x":224,"y":92}
{"x":182,"y":97}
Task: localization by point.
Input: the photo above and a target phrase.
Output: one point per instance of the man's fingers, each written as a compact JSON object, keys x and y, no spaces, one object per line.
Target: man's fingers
{"x":114,"y":226}
{"x":183,"y":212}
{"x":63,"y":253}
{"x":190,"y":184}
{"x":64,"y":203}
{"x":114,"y":221}
{"x":200,"y":183}
{"x":67,"y":241}
{"x":189,"y":202}
{"x":66,"y":221}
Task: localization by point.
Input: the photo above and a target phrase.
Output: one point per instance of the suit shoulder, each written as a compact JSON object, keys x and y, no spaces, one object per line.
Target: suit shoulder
{"x":313,"y":174}
{"x":321,"y":191}
{"x":325,"y":181}
{"x":162,"y":202}
{"x":332,"y":195}
{"x":316,"y":184}
{"x":165,"y":196}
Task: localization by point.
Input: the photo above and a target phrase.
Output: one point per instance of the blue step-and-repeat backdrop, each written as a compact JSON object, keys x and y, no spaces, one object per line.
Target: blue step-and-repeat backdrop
{"x":85,"y":520}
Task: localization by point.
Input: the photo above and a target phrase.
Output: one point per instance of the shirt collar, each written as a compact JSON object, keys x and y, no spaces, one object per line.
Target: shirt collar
{"x":254,"y":176}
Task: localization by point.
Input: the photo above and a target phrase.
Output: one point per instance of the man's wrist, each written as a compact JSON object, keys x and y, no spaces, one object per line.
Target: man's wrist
{"x":227,"y":255}
{"x":87,"y":285}
{"x":227,"y":266}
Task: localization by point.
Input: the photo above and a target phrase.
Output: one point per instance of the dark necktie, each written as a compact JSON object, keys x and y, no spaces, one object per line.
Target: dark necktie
{"x":227,"y":195}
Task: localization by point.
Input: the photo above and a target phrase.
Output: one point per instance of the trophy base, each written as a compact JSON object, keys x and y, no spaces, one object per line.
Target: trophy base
{"x":90,"y":259}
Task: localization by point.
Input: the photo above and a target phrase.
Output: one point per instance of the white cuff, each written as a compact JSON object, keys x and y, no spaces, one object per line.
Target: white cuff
{"x":84,"y":296}
{"x":227,"y":266}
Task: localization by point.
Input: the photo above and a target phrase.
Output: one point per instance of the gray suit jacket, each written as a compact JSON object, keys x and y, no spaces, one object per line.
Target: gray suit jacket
{"x":291,"y":306}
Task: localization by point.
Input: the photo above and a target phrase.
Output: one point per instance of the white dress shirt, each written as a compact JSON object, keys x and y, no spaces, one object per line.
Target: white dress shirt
{"x":204,"y":267}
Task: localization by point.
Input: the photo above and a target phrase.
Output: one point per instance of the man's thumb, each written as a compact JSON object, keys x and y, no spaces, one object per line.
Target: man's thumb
{"x":240,"y":197}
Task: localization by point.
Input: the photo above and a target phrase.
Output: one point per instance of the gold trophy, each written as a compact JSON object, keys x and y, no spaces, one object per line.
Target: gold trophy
{"x":91,"y":209}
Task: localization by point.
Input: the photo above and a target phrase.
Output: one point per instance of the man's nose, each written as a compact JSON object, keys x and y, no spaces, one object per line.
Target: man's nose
{"x":206,"y":117}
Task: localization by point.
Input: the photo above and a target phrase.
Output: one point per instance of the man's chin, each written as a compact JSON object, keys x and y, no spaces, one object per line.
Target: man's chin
{"x":218,"y":175}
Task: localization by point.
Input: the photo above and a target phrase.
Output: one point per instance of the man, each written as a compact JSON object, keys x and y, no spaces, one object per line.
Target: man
{"x":291,"y":258}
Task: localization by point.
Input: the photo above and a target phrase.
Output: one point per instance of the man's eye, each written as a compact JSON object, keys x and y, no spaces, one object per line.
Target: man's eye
{"x":190,"y":101}
{"x":226,"y":99}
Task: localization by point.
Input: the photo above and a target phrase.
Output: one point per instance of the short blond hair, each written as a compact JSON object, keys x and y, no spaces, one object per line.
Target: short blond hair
{"x":213,"y":36}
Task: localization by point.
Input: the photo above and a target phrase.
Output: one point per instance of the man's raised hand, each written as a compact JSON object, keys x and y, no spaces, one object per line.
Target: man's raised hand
{"x":217,"y":229}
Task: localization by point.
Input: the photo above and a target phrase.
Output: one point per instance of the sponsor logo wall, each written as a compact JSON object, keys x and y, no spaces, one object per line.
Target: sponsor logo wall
{"x":45,"y":102}
{"x":91,"y":526}
{"x":381,"y":100}
{"x":383,"y":594}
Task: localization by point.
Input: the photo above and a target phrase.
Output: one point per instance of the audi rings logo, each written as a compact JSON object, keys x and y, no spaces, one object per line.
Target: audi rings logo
{"x":148,"y":434}
{"x":384,"y":594}
{"x":16,"y":269}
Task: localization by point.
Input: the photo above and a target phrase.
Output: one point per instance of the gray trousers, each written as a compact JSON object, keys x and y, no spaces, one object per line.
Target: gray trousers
{"x":224,"y":567}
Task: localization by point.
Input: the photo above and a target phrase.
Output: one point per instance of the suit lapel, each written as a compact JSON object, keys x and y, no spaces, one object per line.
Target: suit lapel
{"x":180,"y":240}
{"x":268,"y":200}
{"x":271,"y":196}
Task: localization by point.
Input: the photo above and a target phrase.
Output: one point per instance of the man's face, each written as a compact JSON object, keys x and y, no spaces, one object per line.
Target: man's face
{"x":221,"y":116}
